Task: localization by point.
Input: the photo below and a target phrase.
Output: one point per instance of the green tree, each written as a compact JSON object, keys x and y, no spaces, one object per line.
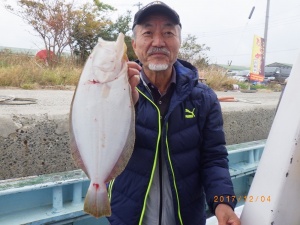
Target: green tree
{"x":92,"y":23}
{"x":121,"y":25}
{"x":88,"y":24}
{"x":193,"y":52}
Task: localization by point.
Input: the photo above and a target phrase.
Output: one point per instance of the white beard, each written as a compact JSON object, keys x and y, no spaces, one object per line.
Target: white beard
{"x":158,"y":67}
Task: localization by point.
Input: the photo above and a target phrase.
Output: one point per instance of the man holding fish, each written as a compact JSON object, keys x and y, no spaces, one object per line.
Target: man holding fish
{"x":179,"y":157}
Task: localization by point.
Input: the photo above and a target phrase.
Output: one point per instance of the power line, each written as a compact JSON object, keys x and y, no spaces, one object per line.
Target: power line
{"x":274,"y":21}
{"x":284,"y":50}
{"x":229,"y":31}
{"x":243,"y":54}
{"x":139,"y":5}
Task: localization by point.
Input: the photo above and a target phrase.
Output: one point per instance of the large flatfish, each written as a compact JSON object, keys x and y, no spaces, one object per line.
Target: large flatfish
{"x":102,"y":121}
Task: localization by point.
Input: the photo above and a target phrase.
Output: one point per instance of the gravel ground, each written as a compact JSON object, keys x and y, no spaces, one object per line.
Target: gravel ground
{"x":245,"y":101}
{"x":58,"y":101}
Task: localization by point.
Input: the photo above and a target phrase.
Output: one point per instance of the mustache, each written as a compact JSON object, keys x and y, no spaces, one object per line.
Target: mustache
{"x":154,"y":50}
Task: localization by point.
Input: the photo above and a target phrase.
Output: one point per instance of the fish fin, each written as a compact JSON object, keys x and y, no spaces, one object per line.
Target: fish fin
{"x":96,"y":201}
{"x":75,"y":153}
{"x":125,"y":57}
{"x":126,"y":153}
{"x":121,"y":46}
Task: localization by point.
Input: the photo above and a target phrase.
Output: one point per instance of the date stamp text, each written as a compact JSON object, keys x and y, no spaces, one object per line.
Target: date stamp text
{"x":244,"y":198}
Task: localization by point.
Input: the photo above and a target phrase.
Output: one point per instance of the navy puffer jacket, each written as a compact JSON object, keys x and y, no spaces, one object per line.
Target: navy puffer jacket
{"x":193,"y":145}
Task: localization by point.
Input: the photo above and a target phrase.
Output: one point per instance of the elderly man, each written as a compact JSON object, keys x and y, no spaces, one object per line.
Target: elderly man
{"x":179,"y":157}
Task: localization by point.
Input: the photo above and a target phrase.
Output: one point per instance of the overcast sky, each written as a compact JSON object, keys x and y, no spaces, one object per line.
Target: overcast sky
{"x":221,"y":25}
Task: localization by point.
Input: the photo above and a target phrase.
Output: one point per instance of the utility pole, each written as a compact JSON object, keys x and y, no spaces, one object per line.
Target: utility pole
{"x":266,"y":33}
{"x":138,"y":5}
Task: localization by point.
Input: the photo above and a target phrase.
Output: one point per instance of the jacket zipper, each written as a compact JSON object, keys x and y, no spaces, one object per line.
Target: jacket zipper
{"x":111,"y":183}
{"x":173,"y":175}
{"x":160,"y":158}
{"x":156,"y":154}
{"x":159,"y":161}
{"x":160,"y":166}
{"x":153,"y":168}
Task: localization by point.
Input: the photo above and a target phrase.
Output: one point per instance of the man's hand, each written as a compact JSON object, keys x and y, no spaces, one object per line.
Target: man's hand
{"x":134,"y":79}
{"x":226,"y":215}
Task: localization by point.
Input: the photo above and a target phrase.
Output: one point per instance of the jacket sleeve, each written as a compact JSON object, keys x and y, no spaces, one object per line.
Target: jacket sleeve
{"x":215,"y":175}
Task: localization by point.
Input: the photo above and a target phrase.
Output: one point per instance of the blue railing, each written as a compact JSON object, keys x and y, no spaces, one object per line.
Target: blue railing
{"x":58,"y":198}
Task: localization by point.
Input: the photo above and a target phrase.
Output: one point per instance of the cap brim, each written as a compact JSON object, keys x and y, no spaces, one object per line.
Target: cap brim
{"x":156,"y":9}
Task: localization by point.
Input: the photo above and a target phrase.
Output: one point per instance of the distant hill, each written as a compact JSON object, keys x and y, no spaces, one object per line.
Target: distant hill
{"x":282,"y":65}
{"x":230,"y":68}
{"x":240,"y":68}
{"x":27,"y":50}
{"x":20,"y":50}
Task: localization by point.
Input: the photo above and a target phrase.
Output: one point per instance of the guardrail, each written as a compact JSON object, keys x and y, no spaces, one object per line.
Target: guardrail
{"x":244,"y":157}
{"x":58,"y":198}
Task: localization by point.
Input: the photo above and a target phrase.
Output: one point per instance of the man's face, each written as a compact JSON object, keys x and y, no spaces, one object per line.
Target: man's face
{"x":157,"y":42}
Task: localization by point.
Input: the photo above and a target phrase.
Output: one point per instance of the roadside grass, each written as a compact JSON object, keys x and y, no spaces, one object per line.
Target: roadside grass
{"x":217,"y":80}
{"x":24,"y":71}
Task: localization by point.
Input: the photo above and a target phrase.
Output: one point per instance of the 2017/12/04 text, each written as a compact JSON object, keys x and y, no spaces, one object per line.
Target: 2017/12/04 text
{"x":245,"y":198}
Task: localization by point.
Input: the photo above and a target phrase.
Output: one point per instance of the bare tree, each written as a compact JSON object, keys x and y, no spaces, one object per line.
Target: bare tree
{"x":61,"y":24}
{"x":193,"y":52}
{"x":51,"y":19}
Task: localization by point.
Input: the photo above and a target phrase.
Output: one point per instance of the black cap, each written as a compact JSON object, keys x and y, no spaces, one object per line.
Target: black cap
{"x":156,"y":7}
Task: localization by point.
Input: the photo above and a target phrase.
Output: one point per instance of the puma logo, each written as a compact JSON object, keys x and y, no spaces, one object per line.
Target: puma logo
{"x":189,"y":114}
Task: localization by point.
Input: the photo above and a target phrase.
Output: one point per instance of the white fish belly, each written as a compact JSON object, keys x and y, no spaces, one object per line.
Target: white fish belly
{"x":101,"y":118}
{"x":102,"y":122}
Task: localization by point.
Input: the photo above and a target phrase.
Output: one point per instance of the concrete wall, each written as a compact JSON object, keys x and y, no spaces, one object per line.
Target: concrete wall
{"x":34,"y":139}
{"x":34,"y":145}
{"x":249,"y":125}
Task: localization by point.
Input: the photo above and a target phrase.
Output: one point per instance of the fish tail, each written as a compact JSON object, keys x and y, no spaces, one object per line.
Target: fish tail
{"x":96,"y":201}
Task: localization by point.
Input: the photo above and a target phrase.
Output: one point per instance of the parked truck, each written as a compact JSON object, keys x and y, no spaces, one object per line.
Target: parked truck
{"x":278,"y":74}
